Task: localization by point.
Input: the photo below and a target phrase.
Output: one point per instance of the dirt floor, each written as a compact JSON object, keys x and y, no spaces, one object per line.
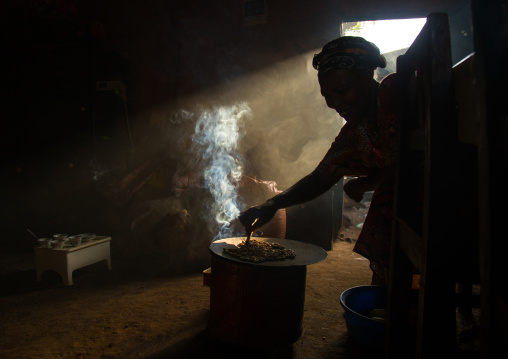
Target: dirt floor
{"x":124,"y":313}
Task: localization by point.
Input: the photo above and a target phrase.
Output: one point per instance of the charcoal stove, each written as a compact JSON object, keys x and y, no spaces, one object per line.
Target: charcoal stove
{"x":259,"y":305}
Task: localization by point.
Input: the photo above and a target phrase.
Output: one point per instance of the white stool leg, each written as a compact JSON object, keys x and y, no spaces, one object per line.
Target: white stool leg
{"x":67,"y":278}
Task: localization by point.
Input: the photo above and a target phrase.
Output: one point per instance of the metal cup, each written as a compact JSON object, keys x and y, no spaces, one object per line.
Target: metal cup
{"x":75,"y":240}
{"x":44,"y":242}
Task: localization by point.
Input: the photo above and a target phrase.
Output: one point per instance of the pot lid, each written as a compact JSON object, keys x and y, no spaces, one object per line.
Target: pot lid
{"x":306,"y":253}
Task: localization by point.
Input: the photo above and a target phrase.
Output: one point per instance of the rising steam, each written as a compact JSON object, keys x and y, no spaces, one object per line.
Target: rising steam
{"x":216,"y":137}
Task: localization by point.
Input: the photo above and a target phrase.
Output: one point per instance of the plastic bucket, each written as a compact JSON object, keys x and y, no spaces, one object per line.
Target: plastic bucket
{"x":359,"y":303}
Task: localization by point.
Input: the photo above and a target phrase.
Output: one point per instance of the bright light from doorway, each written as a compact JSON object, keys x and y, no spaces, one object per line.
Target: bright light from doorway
{"x":388,"y":35}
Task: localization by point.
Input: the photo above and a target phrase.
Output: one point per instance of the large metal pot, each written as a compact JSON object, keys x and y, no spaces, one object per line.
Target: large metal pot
{"x":259,"y":305}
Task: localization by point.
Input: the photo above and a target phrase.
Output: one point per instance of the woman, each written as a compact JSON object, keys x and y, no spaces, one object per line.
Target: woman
{"x":365,"y":146}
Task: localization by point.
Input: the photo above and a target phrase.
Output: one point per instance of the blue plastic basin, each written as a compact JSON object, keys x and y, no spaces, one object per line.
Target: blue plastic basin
{"x":357,"y":303}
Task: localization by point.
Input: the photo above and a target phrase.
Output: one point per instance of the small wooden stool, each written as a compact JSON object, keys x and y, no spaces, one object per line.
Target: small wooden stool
{"x":64,"y":261}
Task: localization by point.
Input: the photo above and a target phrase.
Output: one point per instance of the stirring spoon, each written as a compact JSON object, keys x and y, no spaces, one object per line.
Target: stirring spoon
{"x":249,"y":231}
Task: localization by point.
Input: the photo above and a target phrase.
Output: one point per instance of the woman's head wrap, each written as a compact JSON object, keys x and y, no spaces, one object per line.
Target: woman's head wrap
{"x":349,"y":52}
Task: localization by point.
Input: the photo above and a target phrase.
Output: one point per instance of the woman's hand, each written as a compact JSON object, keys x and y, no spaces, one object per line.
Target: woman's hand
{"x":256,"y":217}
{"x":355,"y":189}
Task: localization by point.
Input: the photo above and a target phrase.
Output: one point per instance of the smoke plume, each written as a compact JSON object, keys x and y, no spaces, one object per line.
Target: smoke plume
{"x":216,"y":138}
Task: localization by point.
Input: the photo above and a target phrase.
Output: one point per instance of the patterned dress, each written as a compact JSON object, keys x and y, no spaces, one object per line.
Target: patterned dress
{"x":366,"y":146}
